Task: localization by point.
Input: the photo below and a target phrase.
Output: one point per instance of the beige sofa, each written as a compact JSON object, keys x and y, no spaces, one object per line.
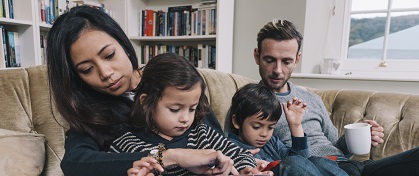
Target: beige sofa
{"x":32,"y":131}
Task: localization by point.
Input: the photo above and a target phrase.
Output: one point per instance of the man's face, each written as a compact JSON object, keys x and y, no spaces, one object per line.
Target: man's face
{"x":276,"y":62}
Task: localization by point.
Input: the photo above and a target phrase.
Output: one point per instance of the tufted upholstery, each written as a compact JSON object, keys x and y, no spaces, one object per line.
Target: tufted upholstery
{"x":397,"y":113}
{"x":26,"y":106}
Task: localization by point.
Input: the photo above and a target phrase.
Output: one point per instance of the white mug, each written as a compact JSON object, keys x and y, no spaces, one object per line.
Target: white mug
{"x":358,"y":138}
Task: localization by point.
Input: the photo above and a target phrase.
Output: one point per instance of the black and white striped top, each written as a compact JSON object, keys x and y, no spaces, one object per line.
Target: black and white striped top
{"x":200,"y":137}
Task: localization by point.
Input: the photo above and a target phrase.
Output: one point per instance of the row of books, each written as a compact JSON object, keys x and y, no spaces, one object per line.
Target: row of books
{"x":202,"y":56}
{"x":6,"y":9}
{"x":51,"y":9}
{"x":9,"y":48}
{"x":179,"y":21}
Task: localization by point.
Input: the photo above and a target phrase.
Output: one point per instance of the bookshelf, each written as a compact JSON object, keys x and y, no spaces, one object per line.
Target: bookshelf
{"x":23,"y":23}
{"x":126,"y":13}
{"x":29,"y":26}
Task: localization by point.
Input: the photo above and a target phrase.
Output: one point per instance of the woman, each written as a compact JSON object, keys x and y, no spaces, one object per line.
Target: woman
{"x":93,"y":69}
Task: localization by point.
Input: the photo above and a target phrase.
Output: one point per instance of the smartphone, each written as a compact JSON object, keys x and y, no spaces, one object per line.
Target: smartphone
{"x":271,"y":165}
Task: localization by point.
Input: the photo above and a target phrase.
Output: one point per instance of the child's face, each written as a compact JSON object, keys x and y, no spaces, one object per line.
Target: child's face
{"x":175,"y":111}
{"x":255,"y":131}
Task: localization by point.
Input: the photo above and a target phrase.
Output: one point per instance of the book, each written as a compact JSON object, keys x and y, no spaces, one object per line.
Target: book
{"x":200,"y":56}
{"x":11,"y":49}
{"x":11,"y":13}
{"x":17,"y":49}
{"x":148,"y":20}
{"x":2,"y":9}
{"x":2,"y":57}
{"x":6,"y":8}
{"x":5,"y":45}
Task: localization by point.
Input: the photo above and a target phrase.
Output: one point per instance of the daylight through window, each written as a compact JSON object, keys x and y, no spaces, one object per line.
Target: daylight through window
{"x":385,"y":30}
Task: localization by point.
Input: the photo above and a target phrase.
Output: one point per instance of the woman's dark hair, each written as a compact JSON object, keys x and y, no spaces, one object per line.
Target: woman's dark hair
{"x":86,"y":110}
{"x":165,"y":70}
{"x":253,"y":99}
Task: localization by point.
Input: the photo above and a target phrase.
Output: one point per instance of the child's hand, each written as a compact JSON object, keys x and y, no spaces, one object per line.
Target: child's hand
{"x":144,"y":167}
{"x":254,"y":171}
{"x":294,"y":112}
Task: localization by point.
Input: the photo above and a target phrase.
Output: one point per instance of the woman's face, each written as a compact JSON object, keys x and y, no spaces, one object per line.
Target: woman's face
{"x":102,"y":63}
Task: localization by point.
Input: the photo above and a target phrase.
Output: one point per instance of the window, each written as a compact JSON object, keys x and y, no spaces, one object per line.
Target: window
{"x":380,"y":37}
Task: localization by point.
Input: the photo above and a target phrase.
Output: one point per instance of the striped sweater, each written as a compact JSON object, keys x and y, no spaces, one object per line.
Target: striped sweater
{"x":198,"y":137}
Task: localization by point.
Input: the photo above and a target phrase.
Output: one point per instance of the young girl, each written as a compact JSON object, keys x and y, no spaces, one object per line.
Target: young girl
{"x":168,"y":107}
{"x":254,"y":112}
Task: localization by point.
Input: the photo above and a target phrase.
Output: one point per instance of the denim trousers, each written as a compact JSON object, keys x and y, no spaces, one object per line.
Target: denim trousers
{"x":313,"y":166}
{"x":402,"y":164}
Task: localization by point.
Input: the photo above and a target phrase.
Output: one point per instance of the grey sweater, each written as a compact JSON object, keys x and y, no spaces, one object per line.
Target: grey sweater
{"x":322,"y":135}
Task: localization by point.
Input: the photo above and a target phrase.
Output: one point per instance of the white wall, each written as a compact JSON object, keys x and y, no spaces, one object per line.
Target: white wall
{"x":251,"y":15}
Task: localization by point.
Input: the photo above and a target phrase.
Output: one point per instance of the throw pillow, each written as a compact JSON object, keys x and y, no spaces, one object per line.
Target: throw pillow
{"x":21,"y":153}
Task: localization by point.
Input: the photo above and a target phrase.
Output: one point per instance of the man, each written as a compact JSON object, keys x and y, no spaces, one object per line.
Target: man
{"x":277,"y":54}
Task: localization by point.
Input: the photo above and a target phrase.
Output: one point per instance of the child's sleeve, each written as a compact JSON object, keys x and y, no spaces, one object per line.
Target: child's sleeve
{"x":299,"y":146}
{"x":242,"y":158}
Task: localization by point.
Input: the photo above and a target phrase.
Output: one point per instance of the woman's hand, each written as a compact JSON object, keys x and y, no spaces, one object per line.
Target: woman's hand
{"x":144,"y":167}
{"x":200,"y":161}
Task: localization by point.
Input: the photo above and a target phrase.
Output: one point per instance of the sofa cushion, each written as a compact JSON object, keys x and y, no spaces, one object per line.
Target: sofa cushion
{"x":16,"y":113}
{"x":21,"y":153}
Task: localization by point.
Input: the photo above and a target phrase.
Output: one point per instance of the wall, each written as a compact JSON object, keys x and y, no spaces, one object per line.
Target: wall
{"x":249,"y":17}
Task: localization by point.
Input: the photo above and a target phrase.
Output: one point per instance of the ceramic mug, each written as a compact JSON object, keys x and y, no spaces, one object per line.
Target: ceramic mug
{"x":358,"y":138}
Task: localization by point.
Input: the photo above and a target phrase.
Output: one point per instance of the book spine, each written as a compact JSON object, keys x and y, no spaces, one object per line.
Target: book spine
{"x":5,"y":45}
{"x":6,"y":9}
{"x":17,"y":49}
{"x":52,"y":11}
{"x":11,"y":49}
{"x":2,"y":8}
{"x":3,"y":61}
{"x":11,"y":14}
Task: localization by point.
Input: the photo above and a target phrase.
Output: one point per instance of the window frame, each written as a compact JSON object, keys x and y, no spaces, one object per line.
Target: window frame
{"x":359,"y":67}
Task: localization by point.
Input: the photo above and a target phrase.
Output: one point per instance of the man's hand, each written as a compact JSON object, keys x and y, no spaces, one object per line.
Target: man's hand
{"x":376,"y":133}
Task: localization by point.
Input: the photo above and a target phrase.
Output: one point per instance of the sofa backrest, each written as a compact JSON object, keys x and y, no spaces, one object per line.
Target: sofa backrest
{"x":397,"y":113}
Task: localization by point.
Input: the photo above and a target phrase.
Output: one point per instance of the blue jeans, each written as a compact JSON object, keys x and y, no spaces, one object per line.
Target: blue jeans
{"x":327,"y":166}
{"x":298,"y":165}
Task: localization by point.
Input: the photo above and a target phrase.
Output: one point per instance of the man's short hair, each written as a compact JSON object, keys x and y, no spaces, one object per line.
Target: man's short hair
{"x":279,"y":30}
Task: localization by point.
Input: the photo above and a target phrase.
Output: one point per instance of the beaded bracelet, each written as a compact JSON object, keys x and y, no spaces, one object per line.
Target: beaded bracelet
{"x":158,"y":154}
